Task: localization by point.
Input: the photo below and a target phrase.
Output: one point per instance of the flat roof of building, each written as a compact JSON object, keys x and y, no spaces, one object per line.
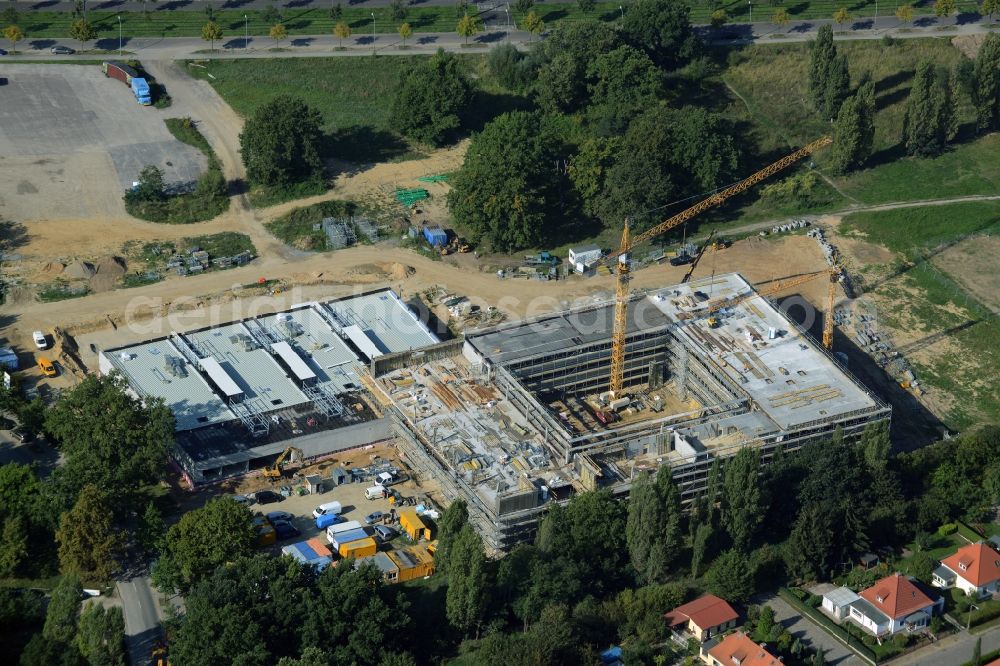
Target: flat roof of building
{"x":562,"y":331}
{"x":251,"y":367}
{"x":388,"y":324}
{"x":267,"y":364}
{"x":159,"y":370}
{"x":791,"y":378}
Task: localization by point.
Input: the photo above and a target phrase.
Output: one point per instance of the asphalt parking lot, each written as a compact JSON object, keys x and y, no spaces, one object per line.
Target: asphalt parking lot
{"x":74,"y":139}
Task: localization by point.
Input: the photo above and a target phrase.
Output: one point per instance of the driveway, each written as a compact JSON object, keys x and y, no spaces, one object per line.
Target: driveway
{"x":809,"y":633}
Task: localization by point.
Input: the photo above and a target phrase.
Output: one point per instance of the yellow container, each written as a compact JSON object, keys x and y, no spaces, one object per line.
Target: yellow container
{"x":360,"y":548}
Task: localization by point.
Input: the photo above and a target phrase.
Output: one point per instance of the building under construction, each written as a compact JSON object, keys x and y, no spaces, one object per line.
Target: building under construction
{"x":512,"y":418}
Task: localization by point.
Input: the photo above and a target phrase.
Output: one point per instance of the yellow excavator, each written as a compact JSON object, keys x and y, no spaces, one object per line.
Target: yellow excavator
{"x":273,"y":471}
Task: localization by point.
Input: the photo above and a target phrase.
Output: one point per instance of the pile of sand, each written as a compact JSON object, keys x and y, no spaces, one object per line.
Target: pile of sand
{"x":111,"y":266}
{"x":80,"y":269}
{"x":397,"y":270}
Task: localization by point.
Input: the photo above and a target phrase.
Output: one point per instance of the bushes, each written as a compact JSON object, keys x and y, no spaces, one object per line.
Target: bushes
{"x":210,"y":197}
{"x":296,"y":228}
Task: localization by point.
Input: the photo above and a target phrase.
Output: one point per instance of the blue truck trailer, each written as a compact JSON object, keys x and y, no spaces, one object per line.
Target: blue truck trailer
{"x":131,"y":78}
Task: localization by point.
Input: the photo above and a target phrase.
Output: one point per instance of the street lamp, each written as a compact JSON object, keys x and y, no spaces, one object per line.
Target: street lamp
{"x":969,"y":621}
{"x":246,"y":32}
{"x":750,"y":5}
{"x":373,"y":33}
{"x":875,"y":22}
{"x":622,"y":10}
{"x":506,"y":10}
{"x":119,"y":36}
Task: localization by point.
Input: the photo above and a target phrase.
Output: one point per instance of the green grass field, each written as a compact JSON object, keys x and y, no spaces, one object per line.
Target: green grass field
{"x":354,"y":96}
{"x":772,"y":81}
{"x":927,"y":300}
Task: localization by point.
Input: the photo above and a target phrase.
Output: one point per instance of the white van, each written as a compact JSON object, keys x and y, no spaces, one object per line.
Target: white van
{"x":375,"y":492}
{"x":327,"y":509}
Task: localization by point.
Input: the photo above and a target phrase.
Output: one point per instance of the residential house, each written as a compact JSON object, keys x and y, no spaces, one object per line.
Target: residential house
{"x":736,"y":649}
{"x":704,"y":617}
{"x":974,"y":569}
{"x":893,"y":604}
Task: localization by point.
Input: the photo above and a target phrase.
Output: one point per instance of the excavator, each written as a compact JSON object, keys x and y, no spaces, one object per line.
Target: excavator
{"x":628,"y":242}
{"x":273,"y":471}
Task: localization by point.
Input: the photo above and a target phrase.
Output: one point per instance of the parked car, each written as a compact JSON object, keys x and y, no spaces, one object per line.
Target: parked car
{"x":328,"y":508}
{"x":22,"y":435}
{"x":245,"y":500}
{"x":681,"y":259}
{"x":47,"y":367}
{"x":285,"y":530}
{"x":5,"y":423}
{"x":328,"y":519}
{"x":374,"y":517}
{"x":2,"y":52}
{"x":267,"y":497}
{"x":385,"y":533}
{"x":275,"y":516}
{"x":62,"y":50}
{"x":40,"y":340}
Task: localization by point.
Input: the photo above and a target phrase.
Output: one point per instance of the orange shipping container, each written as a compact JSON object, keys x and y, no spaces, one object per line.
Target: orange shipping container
{"x":413,"y":525}
{"x":321,"y":548}
{"x":360,"y":548}
{"x":413,"y":562}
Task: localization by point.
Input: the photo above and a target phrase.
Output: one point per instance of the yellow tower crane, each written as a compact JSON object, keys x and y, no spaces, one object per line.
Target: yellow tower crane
{"x":628,"y":243}
{"x":833,"y":277}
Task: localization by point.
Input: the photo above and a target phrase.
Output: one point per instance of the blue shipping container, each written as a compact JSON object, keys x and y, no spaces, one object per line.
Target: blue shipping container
{"x":436,"y":236}
{"x":326,"y":520}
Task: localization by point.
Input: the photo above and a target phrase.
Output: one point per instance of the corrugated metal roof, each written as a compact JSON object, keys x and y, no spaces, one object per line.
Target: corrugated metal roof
{"x":255,"y":370}
{"x":390,"y":324}
{"x":192,"y":401}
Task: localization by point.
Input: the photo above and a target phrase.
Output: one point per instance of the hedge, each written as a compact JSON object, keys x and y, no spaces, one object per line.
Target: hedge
{"x":829,"y":625}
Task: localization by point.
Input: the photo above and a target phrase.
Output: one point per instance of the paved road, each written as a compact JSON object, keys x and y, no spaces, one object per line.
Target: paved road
{"x":235,"y":46}
{"x":808,"y":632}
{"x":951,"y":651}
{"x":142,"y":619}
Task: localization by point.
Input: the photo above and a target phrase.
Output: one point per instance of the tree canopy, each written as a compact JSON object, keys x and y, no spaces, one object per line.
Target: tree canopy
{"x":430,"y":98}
{"x":508,"y":189}
{"x":280,"y":143}
{"x":666,"y":154}
{"x":111,"y":439}
{"x":341,"y":616}
{"x":661,"y":28}
{"x":202,"y":540}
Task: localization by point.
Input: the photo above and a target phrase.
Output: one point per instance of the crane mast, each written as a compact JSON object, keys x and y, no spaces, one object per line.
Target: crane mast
{"x":627,"y":243}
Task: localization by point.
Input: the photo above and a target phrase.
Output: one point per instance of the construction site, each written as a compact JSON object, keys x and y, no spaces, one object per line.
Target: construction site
{"x":244,"y":393}
{"x":514,"y":417}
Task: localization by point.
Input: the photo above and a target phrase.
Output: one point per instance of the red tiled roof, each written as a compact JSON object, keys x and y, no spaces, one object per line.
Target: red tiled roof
{"x":981,"y":564}
{"x":738,"y":649}
{"x":707,"y":611}
{"x":896,"y":596}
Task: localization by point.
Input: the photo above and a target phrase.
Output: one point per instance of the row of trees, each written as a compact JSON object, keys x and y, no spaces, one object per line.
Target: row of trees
{"x":931,"y":119}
